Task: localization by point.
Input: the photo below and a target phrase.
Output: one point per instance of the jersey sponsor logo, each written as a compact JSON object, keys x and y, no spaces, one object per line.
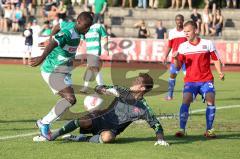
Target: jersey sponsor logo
{"x":60,"y":34}
{"x":204,"y":46}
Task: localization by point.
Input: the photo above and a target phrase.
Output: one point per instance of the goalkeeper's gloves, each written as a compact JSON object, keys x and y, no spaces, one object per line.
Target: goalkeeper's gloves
{"x":161,"y":143}
{"x":112,"y":91}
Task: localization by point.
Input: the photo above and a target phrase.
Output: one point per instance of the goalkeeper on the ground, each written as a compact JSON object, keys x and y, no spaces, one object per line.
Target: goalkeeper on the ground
{"x":128,"y":106}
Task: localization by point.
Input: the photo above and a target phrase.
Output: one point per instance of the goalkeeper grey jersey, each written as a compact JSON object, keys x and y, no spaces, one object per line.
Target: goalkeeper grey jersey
{"x":125,"y":109}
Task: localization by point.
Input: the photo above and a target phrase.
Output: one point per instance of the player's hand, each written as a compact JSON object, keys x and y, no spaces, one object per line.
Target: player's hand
{"x":221,"y":76}
{"x":161,"y":143}
{"x":164,"y":60}
{"x":112,"y":91}
{"x":175,"y":54}
{"x":35,"y":61}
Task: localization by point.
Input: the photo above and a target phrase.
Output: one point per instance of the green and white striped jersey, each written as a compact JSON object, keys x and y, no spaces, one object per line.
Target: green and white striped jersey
{"x":93,"y":39}
{"x":60,"y":59}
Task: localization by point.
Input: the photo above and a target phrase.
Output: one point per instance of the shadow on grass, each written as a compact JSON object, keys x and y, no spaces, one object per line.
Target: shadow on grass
{"x":173,"y":140}
{"x":227,"y":99}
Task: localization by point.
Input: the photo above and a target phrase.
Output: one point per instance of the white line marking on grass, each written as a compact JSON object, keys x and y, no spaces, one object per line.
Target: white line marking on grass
{"x":141,"y":121}
{"x":18,"y":136}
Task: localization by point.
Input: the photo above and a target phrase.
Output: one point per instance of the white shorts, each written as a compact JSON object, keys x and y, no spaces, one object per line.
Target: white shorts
{"x":93,"y":60}
{"x":28,"y":49}
{"x":57,"y":81}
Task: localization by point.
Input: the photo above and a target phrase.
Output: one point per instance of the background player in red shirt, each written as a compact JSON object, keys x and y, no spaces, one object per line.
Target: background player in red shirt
{"x":196,"y":54}
{"x":175,"y":38}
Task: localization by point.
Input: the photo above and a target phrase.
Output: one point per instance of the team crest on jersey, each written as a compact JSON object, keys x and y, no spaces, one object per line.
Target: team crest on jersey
{"x":136,"y":110}
{"x":204,"y":46}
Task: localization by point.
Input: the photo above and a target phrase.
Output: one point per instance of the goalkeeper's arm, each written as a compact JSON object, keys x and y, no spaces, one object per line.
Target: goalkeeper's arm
{"x":107,"y":90}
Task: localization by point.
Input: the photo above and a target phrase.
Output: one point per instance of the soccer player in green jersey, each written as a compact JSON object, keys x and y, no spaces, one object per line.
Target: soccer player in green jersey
{"x":57,"y":64}
{"x":95,"y":38}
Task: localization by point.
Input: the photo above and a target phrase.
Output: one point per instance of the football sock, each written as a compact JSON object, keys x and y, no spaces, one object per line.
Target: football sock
{"x":56,"y":111}
{"x":99,"y":78}
{"x":96,"y":139}
{"x":68,"y":127}
{"x":171,"y":85}
{"x":184,"y":115}
{"x":87,"y":78}
{"x":210,"y":114}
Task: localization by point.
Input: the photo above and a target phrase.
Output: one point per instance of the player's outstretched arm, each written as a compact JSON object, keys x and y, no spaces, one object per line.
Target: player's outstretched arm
{"x":38,"y":60}
{"x":218,"y":66}
{"x":107,"y":90}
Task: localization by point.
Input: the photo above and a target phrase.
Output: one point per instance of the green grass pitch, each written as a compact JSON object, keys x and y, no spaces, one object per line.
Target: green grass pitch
{"x":25,"y":97}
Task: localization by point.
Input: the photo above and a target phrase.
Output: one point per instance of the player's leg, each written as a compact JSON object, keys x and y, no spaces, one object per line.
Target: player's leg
{"x":208,"y":92}
{"x":93,"y":70}
{"x":189,"y":93}
{"x":71,"y":126}
{"x":171,"y":81}
{"x":60,"y":84}
{"x":29,"y":53}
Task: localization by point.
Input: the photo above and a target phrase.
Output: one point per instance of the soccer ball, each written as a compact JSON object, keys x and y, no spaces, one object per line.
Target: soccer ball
{"x":92,"y":102}
{"x":27,"y":33}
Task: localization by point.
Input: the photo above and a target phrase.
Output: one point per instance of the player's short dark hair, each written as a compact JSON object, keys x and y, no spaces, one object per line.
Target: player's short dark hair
{"x":179,"y":16}
{"x":86,"y":17}
{"x":147,"y":81}
{"x":190,"y":22}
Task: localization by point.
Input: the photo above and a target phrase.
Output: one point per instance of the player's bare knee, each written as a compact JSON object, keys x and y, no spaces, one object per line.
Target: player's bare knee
{"x":71,"y":99}
{"x":107,"y":136}
{"x":210,"y":98}
{"x":94,"y":69}
{"x":187,"y":98}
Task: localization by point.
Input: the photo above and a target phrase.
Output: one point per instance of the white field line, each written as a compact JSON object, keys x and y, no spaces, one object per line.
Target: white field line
{"x":192,"y":112}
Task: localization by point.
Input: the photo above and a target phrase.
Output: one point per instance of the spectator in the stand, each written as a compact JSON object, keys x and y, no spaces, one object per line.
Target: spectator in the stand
{"x":62,"y":10}
{"x":218,"y":22}
{"x":28,"y":7}
{"x":77,"y":2}
{"x":205,"y":21}
{"x":47,"y":7}
{"x":88,"y":5}
{"x":129,"y":2}
{"x":1,"y":15}
{"x":234,"y":2}
{"x":153,"y":4}
{"x":161,"y":32}
{"x":70,"y":9}
{"x":17,"y":19}
{"x":210,"y":4}
{"x":52,"y":13}
{"x":212,"y":28}
{"x":189,"y":4}
{"x":7,"y":21}
{"x":142,"y":4}
{"x":173,"y":4}
{"x":99,"y":8}
{"x":143,"y":31}
{"x":196,"y":17}
{"x":46,"y":31}
{"x":109,"y":32}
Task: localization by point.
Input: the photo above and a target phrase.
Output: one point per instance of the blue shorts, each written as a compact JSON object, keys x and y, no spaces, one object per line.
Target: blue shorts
{"x":174,"y":70}
{"x":201,"y":88}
